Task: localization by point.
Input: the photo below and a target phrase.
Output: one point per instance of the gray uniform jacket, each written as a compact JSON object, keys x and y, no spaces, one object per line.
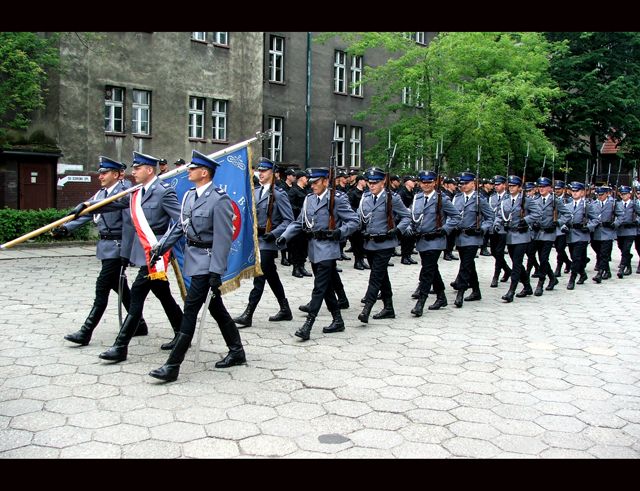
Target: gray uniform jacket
{"x":508,"y":216}
{"x":108,"y":223}
{"x":548,"y":230}
{"x":207,"y":220}
{"x":624,"y":222}
{"x":314,"y":217}
{"x":373,"y":220}
{"x":494,"y":202}
{"x":469,"y":212}
{"x":576,"y":232}
{"x":281,"y":215}
{"x":159,"y":205}
{"x":424,"y":220}
{"x":607,"y":213}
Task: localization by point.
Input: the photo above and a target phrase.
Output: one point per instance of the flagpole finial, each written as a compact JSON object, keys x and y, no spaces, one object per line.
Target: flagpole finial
{"x":263,"y":135}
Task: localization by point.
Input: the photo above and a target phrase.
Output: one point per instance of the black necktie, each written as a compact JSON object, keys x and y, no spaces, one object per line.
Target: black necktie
{"x":513,"y":202}
{"x":318,"y":200}
{"x":544,"y":201}
{"x":466,"y":199}
{"x":575,"y":205}
{"x":375,"y":198}
{"x":143,"y":190}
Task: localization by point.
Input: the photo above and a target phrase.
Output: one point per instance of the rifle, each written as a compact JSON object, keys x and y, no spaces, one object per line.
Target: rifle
{"x":332,"y":176}
{"x":609,"y":174}
{"x":618,"y":178}
{"x":387,"y":185}
{"x":544,"y":162}
{"x":163,"y":177}
{"x":524,"y":177}
{"x":272,"y":200}
{"x":438,"y":191}
{"x":508,"y":162}
{"x":478,"y":190}
{"x":553,"y":188}
{"x":586,"y":176}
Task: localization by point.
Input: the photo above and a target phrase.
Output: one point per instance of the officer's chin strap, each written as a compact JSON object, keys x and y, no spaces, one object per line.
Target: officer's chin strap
{"x":203,"y":317}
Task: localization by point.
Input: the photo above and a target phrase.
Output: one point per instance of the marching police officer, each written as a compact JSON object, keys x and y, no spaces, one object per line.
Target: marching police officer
{"x":206,"y":215}
{"x":605,"y":232}
{"x":584,"y":221}
{"x":324,"y":245}
{"x":516,"y":217}
{"x":406,"y":194}
{"x":298,"y":245}
{"x":626,"y":223}
{"x":554,"y":214}
{"x":110,"y":226}
{"x":433,"y":216}
{"x":380,"y":234}
{"x":560,"y":243}
{"x":356,"y":238}
{"x":637,"y":239}
{"x":274,"y":214}
{"x":472,"y":229}
{"x":498,"y":239}
{"x":152,"y":208}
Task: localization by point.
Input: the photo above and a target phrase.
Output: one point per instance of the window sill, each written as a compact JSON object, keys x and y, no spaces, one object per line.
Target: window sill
{"x":340,"y":93}
{"x":357,"y":96}
{"x":200,"y":140}
{"x":111,"y":133}
{"x":275,"y":82}
{"x":225,"y":46}
{"x":199,"y":41}
{"x":140,"y":135}
{"x":220,"y":142}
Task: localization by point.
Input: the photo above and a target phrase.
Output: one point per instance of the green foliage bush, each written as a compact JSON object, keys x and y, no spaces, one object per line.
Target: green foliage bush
{"x":15,"y":223}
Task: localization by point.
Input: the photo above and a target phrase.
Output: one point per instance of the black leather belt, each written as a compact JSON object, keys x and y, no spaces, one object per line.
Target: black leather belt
{"x":261,"y":231}
{"x":110,"y":237}
{"x":378,"y":237}
{"x":199,"y":245}
{"x":629,"y":225}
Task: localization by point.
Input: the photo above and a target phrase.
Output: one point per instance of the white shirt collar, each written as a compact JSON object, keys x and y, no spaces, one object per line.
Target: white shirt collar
{"x":112,"y":188}
{"x":203,"y":188}
{"x":321,"y":196}
{"x":265,"y":187}
{"x":428,"y":196}
{"x":148,"y":185}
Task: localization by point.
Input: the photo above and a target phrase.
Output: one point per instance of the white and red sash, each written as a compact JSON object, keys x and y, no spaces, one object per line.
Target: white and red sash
{"x":148,"y":239}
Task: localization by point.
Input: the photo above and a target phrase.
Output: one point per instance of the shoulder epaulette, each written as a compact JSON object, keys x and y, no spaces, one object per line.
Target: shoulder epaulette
{"x":220,"y":191}
{"x":165,"y":184}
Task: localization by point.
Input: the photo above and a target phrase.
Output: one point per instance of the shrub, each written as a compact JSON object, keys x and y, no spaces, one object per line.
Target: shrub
{"x":16,"y":223}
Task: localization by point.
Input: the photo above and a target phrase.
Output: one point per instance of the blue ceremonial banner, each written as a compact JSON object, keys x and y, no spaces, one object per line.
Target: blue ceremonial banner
{"x":235,"y":178}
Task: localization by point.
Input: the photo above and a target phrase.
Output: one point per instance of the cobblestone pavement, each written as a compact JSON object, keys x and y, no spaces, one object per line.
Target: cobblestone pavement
{"x":549,"y":377}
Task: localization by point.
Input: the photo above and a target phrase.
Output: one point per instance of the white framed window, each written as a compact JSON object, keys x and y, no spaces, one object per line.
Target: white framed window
{"x":196,"y":117}
{"x":114,"y":109}
{"x":418,"y":99}
{"x":408,"y":35}
{"x":339,"y":72}
{"x":407,"y":96}
{"x":274,"y":145}
{"x":340,"y":131}
{"x":355,"y":146}
{"x":219,"y":119}
{"x":141,"y":112}
{"x":356,"y":75}
{"x":199,"y":36}
{"x":221,"y":38}
{"x":420,"y":38}
{"x":276,"y":59}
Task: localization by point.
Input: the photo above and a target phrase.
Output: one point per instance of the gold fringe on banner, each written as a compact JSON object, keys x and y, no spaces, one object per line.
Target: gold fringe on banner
{"x":256,"y":247}
{"x":158,"y":275}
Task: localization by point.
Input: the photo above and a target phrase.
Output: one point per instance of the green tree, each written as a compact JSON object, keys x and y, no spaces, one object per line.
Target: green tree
{"x":25,"y":61}
{"x":599,"y":75}
{"x":467,"y":89}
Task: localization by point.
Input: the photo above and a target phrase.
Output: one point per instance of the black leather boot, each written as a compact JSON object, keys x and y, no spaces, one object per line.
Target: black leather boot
{"x":236,"y":354}
{"x":119,"y":350}
{"x":169,"y":371}
{"x":343,"y":301}
{"x":485,"y":252}
{"x":506,"y":275}
{"x":337,"y":324}
{"x":296,"y":271}
{"x":416,"y":293}
{"x":627,"y":270}
{"x":358,"y":264}
{"x":441,"y":301}
{"x":303,"y":271}
{"x":419,"y":307}
{"x":607,"y":274}
{"x":83,"y":336}
{"x":170,"y":345}
{"x":553,"y":281}
{"x":387,"y":311}
{"x":508,"y":297}
{"x":304,"y":332}
{"x":567,"y":267}
{"x":475,"y":295}
{"x":366,"y":311}
{"x":539,"y":288}
{"x":598,"y":277}
{"x":526,"y":291}
{"x":582,"y":279}
{"x":245,"y":319}
{"x":494,"y":280}
{"x":459,"y":298}
{"x":284,"y":261}
{"x":142,"y":330}
{"x":558,"y":271}
{"x":305,"y":307}
{"x":284,"y":314}
{"x":572,"y":281}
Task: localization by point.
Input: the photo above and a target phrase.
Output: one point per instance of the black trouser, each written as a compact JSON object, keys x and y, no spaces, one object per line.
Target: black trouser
{"x":451,"y":241}
{"x":268,"y":265}
{"x":379,"y":275}
{"x":561,"y":250}
{"x":467,"y":274}
{"x":485,"y":240}
{"x":336,"y":282}
{"x":196,"y":296}
{"x":624,"y":244}
{"x":323,"y":272}
{"x":139,"y":291}
{"x":543,"y":248}
{"x":429,"y":273}
{"x":518,"y":271}
{"x":406,"y":245}
{"x":578,"y":251}
{"x":357,"y":245}
{"x":602,"y":248}
{"x":108,"y":280}
{"x":298,"y":247}
{"x":637,"y":241}
{"x":531,"y":256}
{"x":498,"y":242}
